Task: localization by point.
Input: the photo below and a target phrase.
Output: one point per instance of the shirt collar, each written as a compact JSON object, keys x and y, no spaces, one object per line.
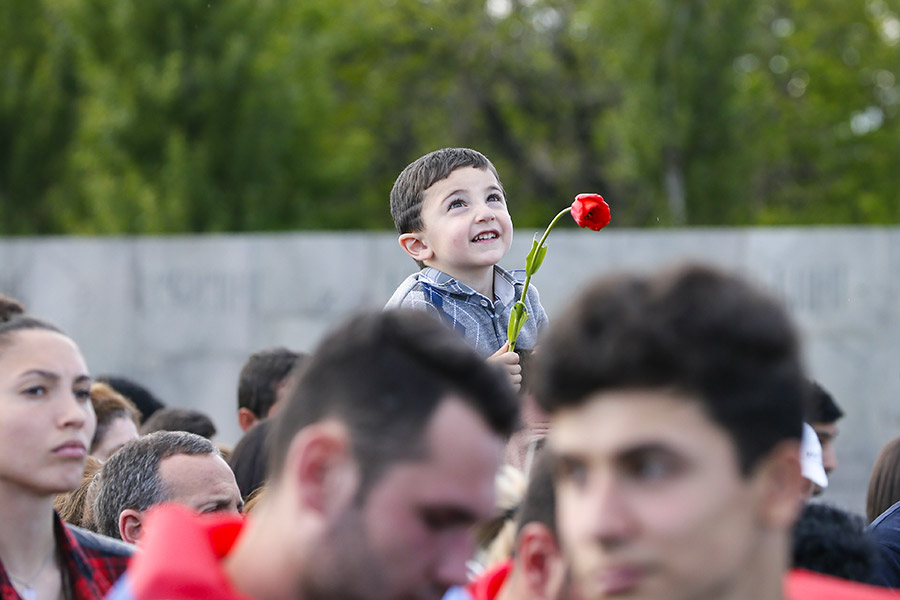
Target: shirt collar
{"x":504,"y":284}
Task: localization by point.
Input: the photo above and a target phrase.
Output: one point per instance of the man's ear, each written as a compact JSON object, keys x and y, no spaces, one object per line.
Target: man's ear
{"x":130,"y":525}
{"x":321,"y":466}
{"x":536,"y":555}
{"x":246,"y":418}
{"x":780,"y":485}
{"x":415,"y":246}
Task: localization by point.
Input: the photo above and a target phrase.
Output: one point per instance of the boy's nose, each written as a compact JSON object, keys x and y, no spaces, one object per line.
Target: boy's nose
{"x":485,"y":213}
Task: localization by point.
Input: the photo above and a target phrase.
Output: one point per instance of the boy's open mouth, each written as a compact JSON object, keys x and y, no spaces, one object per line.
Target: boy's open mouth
{"x":485,"y":236}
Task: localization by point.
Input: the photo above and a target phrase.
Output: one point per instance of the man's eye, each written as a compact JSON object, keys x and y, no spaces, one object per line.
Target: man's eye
{"x":444,"y":519}
{"x":651,"y":468}
{"x":572,"y":471}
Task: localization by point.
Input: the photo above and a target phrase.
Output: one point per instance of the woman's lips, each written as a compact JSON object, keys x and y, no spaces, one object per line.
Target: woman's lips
{"x":71,"y":449}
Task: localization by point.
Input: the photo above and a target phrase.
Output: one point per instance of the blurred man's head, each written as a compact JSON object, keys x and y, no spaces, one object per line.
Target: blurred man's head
{"x":676,"y":403}
{"x":166,"y":466}
{"x":383,"y":458}
{"x":118,"y":420}
{"x":538,"y":571}
{"x":824,"y":413}
{"x":263,"y":382}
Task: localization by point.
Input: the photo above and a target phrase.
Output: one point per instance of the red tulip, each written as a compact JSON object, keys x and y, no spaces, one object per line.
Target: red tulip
{"x":591,"y":211}
{"x":588,"y":210}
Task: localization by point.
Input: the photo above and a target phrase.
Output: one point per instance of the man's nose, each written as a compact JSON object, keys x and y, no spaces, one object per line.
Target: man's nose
{"x":608,"y":516}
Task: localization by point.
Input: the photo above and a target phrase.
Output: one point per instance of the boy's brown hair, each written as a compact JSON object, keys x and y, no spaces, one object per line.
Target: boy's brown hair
{"x":421,"y":174}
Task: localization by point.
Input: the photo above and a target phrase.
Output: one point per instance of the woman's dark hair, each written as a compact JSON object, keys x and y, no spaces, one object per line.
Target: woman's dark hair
{"x":13,"y":318}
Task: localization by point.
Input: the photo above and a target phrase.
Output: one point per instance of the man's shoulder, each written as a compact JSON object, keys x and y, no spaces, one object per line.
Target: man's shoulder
{"x":806,"y":585}
{"x":101,"y":545}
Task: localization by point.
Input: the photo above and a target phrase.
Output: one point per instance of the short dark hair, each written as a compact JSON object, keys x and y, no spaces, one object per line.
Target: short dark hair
{"x":180,"y":419}
{"x":130,"y":478}
{"x":421,"y":174}
{"x":250,"y":458}
{"x":884,"y":481}
{"x":260,"y":377}
{"x":696,"y":330}
{"x":143,"y":398}
{"x":383,"y":375}
{"x":832,"y":541}
{"x":822,"y":407}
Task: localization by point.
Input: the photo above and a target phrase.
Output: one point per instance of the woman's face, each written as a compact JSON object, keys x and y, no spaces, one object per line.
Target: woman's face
{"x":46,"y":417}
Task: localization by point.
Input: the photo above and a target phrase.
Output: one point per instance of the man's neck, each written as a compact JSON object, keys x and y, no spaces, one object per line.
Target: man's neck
{"x":762,"y":575}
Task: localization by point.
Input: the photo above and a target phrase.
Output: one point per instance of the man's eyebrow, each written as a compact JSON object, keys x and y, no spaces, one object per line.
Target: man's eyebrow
{"x":647,"y":448}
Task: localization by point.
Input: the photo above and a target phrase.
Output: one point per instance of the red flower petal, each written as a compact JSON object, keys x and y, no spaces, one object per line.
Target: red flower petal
{"x":591,"y":211}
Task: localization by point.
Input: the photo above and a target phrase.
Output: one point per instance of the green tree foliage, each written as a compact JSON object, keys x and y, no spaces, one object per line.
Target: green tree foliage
{"x":237,"y":115}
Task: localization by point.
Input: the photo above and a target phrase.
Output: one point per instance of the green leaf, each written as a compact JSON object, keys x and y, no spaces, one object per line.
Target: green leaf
{"x":529,"y":260}
{"x":539,"y":259}
{"x":517,"y":317}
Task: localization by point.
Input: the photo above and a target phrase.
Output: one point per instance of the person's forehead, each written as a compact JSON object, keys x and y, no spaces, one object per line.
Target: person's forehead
{"x":462,"y":176}
{"x":44,"y":350}
{"x":194,"y":470}
{"x":617,"y":421}
{"x":460,"y":459}
{"x":822,"y":428}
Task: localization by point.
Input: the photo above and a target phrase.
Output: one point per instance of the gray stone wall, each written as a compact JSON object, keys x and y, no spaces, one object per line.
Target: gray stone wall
{"x":180,"y":314}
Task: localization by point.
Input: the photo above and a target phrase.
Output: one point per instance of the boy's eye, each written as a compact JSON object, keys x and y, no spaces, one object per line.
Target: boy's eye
{"x":456,"y":204}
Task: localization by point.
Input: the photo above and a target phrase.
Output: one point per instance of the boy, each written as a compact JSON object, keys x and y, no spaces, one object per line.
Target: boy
{"x":676,"y":406}
{"x":450,"y":209}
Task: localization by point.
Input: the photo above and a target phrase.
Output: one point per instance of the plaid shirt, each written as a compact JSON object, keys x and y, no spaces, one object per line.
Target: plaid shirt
{"x":482,"y":321}
{"x":91,"y":563}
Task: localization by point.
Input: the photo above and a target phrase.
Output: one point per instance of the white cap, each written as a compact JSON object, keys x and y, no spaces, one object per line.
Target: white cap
{"x":811,"y":457}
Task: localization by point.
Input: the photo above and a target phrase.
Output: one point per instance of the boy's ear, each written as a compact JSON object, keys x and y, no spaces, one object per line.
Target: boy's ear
{"x":415,"y":246}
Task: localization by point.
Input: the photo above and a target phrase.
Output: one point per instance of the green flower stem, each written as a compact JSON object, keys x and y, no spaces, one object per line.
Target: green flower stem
{"x":565,"y":211}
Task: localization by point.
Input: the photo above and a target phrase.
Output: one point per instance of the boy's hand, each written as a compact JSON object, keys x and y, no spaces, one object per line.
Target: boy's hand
{"x":509,"y":362}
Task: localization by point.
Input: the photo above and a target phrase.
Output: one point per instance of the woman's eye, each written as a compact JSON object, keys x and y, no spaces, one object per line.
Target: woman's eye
{"x":83,"y":395}
{"x":36,"y":391}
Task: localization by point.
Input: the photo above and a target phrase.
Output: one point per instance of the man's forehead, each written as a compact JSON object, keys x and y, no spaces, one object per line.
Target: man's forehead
{"x":623,"y":420}
{"x":462,"y":455}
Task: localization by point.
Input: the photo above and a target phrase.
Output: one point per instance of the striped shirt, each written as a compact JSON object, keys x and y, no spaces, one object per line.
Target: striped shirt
{"x":481,"y":320}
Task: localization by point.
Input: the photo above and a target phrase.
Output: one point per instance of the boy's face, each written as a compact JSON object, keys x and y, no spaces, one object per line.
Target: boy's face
{"x":650,"y":500}
{"x":466,"y":227}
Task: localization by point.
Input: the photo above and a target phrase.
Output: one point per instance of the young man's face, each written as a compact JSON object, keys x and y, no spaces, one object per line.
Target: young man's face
{"x":413,"y":533}
{"x":826,"y":433}
{"x":650,"y":500}
{"x":466,"y":224}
